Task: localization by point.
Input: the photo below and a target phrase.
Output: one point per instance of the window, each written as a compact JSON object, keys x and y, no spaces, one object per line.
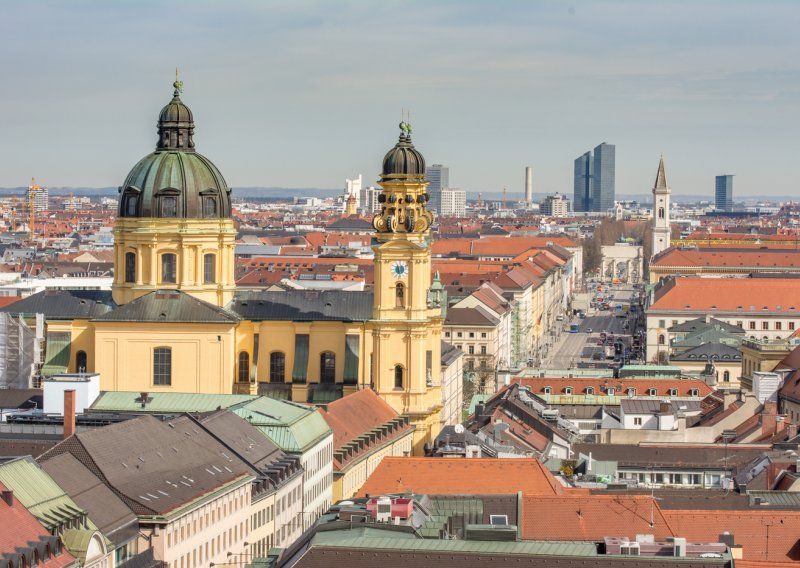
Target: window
{"x":752,"y":325}
{"x":674,"y":322}
{"x":130,"y":267}
{"x":447,"y":334}
{"x":740,"y":324}
{"x":80,"y":362}
{"x":660,"y":212}
{"x":590,"y":391}
{"x":652,"y":392}
{"x":162,"y":366}
{"x":169,"y":205}
{"x":673,"y":392}
{"x":472,"y":335}
{"x":498,"y":519}
{"x":398,"y":376}
{"x":131,"y":204}
{"x":244,"y":367}
{"x":662,"y":323}
{"x":277,"y":367}
{"x":567,"y":390}
{"x":611,"y":391}
{"x":399,"y":295}
{"x":209,"y":206}
{"x":483,"y":335}
{"x":637,"y":421}
{"x":791,"y":325}
{"x":661,"y":339}
{"x":765,"y":325}
{"x":169,"y":263}
{"x":209,"y":268}
{"x":471,"y":365}
{"x":726,"y":377}
{"x":694,"y":392}
{"x":778,"y":326}
{"x":547,"y":390}
{"x":327,"y":367}
{"x":471,"y":349}
{"x":483,"y":350}
{"x":459,"y":334}
{"x":631,"y":392}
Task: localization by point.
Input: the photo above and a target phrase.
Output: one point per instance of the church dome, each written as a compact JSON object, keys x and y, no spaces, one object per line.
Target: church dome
{"x":403,"y":162}
{"x":175,"y":181}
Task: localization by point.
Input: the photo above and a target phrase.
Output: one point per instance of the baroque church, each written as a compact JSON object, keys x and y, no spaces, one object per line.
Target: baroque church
{"x":174,"y":321}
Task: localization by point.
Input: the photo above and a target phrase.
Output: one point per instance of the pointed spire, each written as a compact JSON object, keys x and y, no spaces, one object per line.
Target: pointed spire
{"x":661,"y":177}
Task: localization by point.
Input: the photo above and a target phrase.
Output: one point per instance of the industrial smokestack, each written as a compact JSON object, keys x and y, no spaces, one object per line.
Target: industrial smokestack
{"x":528,"y":186}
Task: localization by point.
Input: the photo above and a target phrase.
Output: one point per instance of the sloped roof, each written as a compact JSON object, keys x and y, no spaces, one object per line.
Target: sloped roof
{"x":477,"y":316}
{"x":165,"y":402}
{"x":699,"y":324}
{"x":592,"y":517}
{"x":111,"y":515}
{"x":719,"y":351}
{"x":460,"y":477}
{"x":760,"y":258}
{"x":356,"y":414}
{"x":64,"y":304}
{"x":738,"y":295}
{"x":303,"y":305}
{"x":168,"y":306}
{"x":293,"y":427}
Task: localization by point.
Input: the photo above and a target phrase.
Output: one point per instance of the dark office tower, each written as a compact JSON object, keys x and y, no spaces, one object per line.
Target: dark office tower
{"x":724,"y":193}
{"x":438,"y":178}
{"x":603,"y":173}
{"x":582,"y":196}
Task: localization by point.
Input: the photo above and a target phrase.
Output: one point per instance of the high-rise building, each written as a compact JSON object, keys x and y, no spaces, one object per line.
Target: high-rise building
{"x":582,"y":197}
{"x":724,"y":193}
{"x":661,"y":228}
{"x":555,"y":205}
{"x":369,"y":199}
{"x":453,"y":202}
{"x":438,"y":178}
{"x":603,"y":177}
{"x":352,"y":187}
{"x":40,"y":196}
{"x":528,"y":186}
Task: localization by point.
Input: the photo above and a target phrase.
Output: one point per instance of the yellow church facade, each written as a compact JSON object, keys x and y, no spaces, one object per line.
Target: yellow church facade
{"x":174,"y":321}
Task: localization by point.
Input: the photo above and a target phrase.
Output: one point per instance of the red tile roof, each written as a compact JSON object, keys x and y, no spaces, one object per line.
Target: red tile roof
{"x":592,"y":517}
{"x":460,"y":476}
{"x":772,"y":536}
{"x":734,"y":258}
{"x":356,"y":414}
{"x":738,"y":295}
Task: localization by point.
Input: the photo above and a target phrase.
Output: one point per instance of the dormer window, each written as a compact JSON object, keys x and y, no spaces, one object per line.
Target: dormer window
{"x":652,"y":392}
{"x":589,"y":391}
{"x":611,"y":391}
{"x":694,"y":392}
{"x":567,"y":390}
{"x":547,"y":390}
{"x":631,"y":392}
{"x":168,"y":205}
{"x":209,"y":206}
{"x":673,"y":392}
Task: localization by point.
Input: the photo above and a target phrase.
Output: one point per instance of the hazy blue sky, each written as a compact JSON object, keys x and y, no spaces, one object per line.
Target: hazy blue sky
{"x":305,"y":94}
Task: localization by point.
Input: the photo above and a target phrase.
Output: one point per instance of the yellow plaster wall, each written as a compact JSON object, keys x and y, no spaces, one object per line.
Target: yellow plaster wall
{"x":202,"y":356}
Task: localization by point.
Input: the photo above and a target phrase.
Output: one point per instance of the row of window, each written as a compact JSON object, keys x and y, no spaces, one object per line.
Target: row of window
{"x":169,"y":268}
{"x":611,"y":391}
{"x":471,"y":349}
{"x":167,"y":205}
{"x":471,"y":334}
{"x":765,"y":325}
{"x":211,"y":517}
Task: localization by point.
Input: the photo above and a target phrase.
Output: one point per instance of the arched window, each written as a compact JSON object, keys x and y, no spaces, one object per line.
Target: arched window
{"x":661,"y":340}
{"x":162,"y":366}
{"x":209,"y":268}
{"x":244,"y":367}
{"x":130,"y":267}
{"x":631,"y":392}
{"x":660,"y":212}
{"x":611,"y":391}
{"x":169,"y":265}
{"x":277,"y":367}
{"x":398,"y":376}
{"x":80,"y":362}
{"x":327,"y":367}
{"x":131,"y":204}
{"x":726,"y":377}
{"x":399,"y":295}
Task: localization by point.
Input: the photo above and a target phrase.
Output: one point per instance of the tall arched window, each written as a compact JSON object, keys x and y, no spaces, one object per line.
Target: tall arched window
{"x":162,"y":366}
{"x":130,"y":267}
{"x":726,"y":377}
{"x":169,"y":266}
{"x":660,"y":212}
{"x":398,"y":376}
{"x":209,"y":206}
{"x":661,"y":340}
{"x":209,"y":268}
{"x":131,"y":204}
{"x":399,"y":295}
{"x":277,"y":367}
{"x":327,"y":367}
{"x":244,"y":367}
{"x":80,"y":362}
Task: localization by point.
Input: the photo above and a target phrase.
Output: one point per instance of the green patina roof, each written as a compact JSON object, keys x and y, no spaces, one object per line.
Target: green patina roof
{"x":576,"y":373}
{"x":291,"y":426}
{"x":77,"y":541}
{"x":56,"y":353}
{"x":166,"y":402}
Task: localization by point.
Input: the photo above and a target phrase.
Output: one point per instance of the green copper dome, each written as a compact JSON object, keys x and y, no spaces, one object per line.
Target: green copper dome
{"x":175,"y":180}
{"x":403,"y":162}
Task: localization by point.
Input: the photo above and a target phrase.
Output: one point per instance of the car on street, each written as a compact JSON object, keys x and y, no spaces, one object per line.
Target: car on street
{"x":588,"y":330}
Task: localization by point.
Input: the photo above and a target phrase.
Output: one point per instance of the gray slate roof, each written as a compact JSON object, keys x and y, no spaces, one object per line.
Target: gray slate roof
{"x":718,"y":351}
{"x":303,"y":305}
{"x":701,"y":323}
{"x":64,"y":304}
{"x":165,"y":306}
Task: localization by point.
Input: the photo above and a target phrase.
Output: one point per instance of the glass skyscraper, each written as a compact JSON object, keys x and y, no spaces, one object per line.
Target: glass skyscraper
{"x":723,"y":194}
{"x":438,"y":178}
{"x":594,"y":177}
{"x":582,"y":195}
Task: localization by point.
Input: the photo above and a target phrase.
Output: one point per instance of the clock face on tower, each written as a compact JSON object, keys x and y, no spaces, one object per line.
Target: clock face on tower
{"x":399,"y":269}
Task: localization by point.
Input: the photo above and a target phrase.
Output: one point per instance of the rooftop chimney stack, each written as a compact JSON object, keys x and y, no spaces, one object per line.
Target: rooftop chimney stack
{"x":69,"y":413}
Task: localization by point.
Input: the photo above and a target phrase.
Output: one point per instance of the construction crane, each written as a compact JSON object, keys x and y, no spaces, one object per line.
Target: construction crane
{"x":479,"y":204}
{"x":14,"y":214}
{"x":504,"y":197}
{"x":32,"y":190}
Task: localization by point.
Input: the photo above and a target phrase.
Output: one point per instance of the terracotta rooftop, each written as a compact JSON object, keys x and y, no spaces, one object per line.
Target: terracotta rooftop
{"x":737,"y":295}
{"x":356,"y":414}
{"x":733,"y":258}
{"x":460,"y":476}
{"x":557,"y":386}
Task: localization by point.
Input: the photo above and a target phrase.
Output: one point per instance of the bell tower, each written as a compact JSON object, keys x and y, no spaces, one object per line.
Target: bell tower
{"x":661,"y":229}
{"x":407,"y":314}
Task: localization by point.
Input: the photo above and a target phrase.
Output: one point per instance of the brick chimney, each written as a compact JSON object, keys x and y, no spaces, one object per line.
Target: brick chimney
{"x":69,"y":413}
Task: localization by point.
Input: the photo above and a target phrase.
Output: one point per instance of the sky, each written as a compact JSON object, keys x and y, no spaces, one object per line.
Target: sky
{"x":308,"y":93}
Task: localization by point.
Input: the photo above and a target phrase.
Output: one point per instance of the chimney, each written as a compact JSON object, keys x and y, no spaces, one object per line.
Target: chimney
{"x":69,"y":413}
{"x":8,"y":497}
{"x":791,"y":431}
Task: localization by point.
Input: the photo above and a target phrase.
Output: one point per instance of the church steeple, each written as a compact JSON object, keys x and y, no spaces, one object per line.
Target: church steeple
{"x":661,"y":227}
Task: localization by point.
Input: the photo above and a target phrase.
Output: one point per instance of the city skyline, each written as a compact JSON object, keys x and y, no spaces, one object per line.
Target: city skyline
{"x":277,"y":87}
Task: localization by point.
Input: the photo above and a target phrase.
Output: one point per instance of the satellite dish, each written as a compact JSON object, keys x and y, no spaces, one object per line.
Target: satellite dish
{"x":459,"y":428}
